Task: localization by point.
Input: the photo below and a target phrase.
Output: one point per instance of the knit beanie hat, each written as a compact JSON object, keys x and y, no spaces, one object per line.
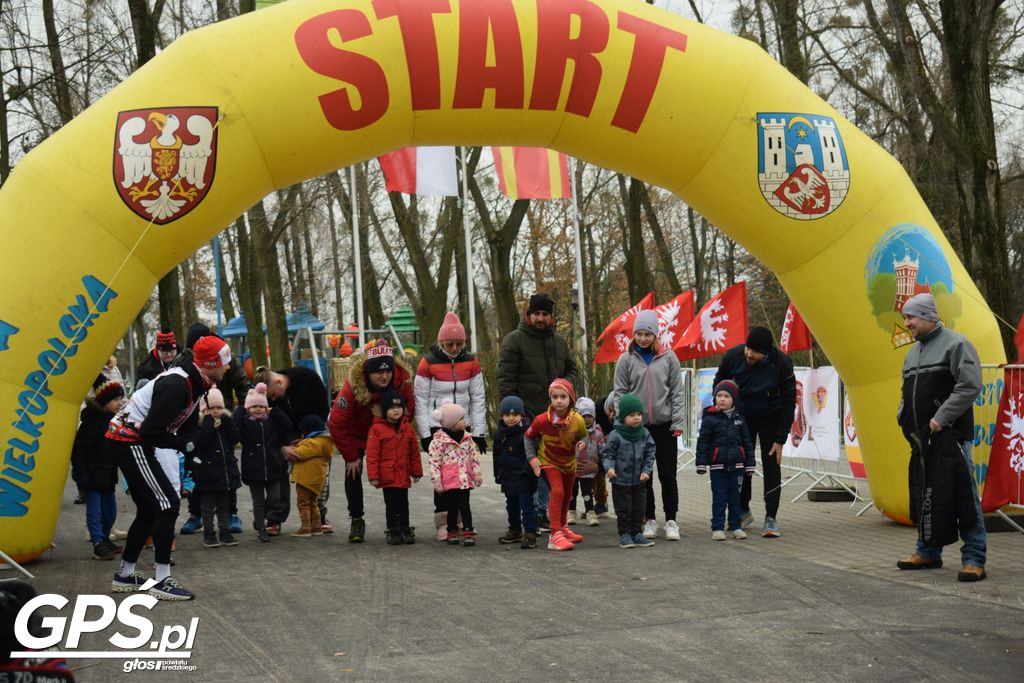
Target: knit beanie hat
{"x":451,"y":329}
{"x":565,"y":385}
{"x":760,"y":340}
{"x":448,"y":414}
{"x":194,"y":332}
{"x":512,"y":404}
{"x":646,"y":321}
{"x":312,"y":425}
{"x":379,"y":357}
{"x":389,"y":398}
{"x":540,"y":302}
{"x":922,"y":306}
{"x":214,"y":399}
{"x":728,"y":386}
{"x":165,"y":340}
{"x":586,"y":406}
{"x":630,"y":404}
{"x":257,"y":397}
{"x":211,"y":352}
{"x":106,"y":390}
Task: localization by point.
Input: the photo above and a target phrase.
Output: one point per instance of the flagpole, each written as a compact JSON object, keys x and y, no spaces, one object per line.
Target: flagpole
{"x":470,"y":288}
{"x":357,"y":257}
{"x":216,"y":270}
{"x":579,"y":269}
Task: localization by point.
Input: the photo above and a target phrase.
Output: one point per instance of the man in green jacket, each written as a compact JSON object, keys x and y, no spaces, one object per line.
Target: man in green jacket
{"x":534,"y":355}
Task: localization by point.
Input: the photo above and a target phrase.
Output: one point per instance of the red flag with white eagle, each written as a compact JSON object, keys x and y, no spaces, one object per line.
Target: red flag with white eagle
{"x":1004,"y":479}
{"x":421,"y":170}
{"x":673,"y":318}
{"x":720,"y":325}
{"x":795,"y":335}
{"x":619,"y":332}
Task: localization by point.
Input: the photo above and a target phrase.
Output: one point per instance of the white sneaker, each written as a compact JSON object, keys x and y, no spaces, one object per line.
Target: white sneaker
{"x":651,"y":528}
{"x":739,"y":534}
{"x":718,"y":535}
{"x":570,"y":517}
{"x":671,"y":530}
{"x":592,"y":519}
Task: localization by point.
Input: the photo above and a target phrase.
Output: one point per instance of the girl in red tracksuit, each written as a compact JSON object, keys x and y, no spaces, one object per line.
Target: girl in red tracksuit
{"x":393,"y":463}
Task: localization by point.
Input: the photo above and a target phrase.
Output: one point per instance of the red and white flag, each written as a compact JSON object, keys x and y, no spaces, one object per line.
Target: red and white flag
{"x":532,"y":172}
{"x":421,"y":170}
{"x":673,"y":318}
{"x":1004,"y":480}
{"x":720,"y":325}
{"x":619,"y":332}
{"x":795,"y":335}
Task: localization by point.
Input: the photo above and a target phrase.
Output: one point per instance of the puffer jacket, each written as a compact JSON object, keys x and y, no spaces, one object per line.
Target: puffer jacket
{"x":528,"y":362}
{"x":940,"y":487}
{"x":352,"y":413}
{"x":659,"y":385}
{"x":392,"y":454}
{"x":724,"y":442}
{"x":941,"y":380}
{"x":92,"y":467}
{"x":443,"y":379}
{"x":512,"y":469}
{"x":213,"y":464}
{"x":629,"y":458}
{"x":454,"y":465}
{"x":262,"y":441}
{"x":313,"y":461}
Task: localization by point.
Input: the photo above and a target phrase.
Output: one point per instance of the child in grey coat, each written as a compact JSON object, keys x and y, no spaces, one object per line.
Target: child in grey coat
{"x":629,"y":461}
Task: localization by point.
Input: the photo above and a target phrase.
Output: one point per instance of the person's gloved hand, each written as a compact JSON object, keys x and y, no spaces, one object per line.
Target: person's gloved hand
{"x":425,"y":443}
{"x":481,"y":443}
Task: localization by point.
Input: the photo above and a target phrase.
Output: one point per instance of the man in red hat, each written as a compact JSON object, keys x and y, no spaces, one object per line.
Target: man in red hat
{"x":160,"y":415}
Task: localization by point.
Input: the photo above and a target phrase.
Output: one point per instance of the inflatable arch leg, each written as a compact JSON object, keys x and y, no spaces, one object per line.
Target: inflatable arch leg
{"x":92,"y":217}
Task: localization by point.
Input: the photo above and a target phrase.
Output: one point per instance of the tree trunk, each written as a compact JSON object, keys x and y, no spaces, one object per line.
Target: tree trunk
{"x":791,"y":52}
{"x":226,"y":282}
{"x":664,"y":252}
{"x":190,"y":311}
{"x":250,"y":296}
{"x":336,"y":269}
{"x":61,"y":90}
{"x":638,"y":273}
{"x":314,"y":298}
{"x":169,"y":296}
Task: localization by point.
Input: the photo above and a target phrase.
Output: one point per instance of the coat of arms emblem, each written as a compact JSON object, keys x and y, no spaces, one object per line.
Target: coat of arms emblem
{"x":164,"y":159}
{"x":801,"y":164}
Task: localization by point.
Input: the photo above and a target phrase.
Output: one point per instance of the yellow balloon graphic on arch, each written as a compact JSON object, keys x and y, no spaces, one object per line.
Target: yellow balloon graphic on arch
{"x":135,"y":184}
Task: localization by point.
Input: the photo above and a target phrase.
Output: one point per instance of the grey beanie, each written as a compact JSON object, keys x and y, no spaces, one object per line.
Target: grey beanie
{"x":922,"y":306}
{"x":646,"y":321}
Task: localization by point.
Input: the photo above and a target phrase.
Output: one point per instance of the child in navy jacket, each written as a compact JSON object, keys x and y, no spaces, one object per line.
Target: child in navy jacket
{"x":215,"y":469}
{"x":513,"y":472}
{"x":724,"y":447}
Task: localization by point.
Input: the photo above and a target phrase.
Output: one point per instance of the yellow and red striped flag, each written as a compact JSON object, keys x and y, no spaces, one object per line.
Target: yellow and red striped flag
{"x":532,"y":173}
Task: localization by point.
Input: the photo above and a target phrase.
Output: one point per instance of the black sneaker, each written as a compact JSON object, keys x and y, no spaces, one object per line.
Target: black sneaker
{"x":102,"y":551}
{"x":211,"y":542}
{"x":227,"y":539}
{"x":529,"y":541}
{"x":408,"y":537}
{"x":262,"y":536}
{"x":512,"y":536}
{"x":357,"y":531}
{"x":393,"y":537}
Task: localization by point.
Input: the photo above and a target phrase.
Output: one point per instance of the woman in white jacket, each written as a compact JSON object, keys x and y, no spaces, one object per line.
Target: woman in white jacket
{"x":448,"y":373}
{"x":653,"y":375}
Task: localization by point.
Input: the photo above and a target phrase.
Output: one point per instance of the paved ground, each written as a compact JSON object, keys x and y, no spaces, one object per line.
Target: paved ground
{"x":823,"y":602}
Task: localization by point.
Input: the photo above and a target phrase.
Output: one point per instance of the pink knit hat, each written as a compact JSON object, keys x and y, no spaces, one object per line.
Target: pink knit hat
{"x":448,"y":414}
{"x":257,"y":396}
{"x":214,"y":399}
{"x":451,"y":329}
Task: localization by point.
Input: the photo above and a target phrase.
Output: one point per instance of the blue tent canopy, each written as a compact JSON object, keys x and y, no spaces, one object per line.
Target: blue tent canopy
{"x":301,"y":319}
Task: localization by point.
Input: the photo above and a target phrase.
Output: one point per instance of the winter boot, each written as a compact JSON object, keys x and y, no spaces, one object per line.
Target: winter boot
{"x":441,"y":524}
{"x":468,"y":537}
{"x":512,"y":536}
{"x":394,"y":538}
{"x":452,"y":537}
{"x":529,"y":540}
{"x":357,"y":531}
{"x":408,"y":537}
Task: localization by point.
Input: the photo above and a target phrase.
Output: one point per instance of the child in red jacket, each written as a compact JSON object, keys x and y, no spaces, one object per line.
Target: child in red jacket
{"x":392,"y":457}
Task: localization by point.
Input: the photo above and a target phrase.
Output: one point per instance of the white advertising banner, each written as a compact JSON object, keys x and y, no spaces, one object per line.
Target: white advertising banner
{"x":815,"y":433}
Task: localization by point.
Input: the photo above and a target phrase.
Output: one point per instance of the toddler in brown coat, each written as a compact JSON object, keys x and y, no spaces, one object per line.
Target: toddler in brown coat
{"x":311,"y":457}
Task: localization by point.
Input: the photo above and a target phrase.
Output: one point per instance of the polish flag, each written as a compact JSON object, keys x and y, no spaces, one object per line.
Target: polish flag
{"x":795,"y":335}
{"x":619,"y":332}
{"x":532,"y":173}
{"x":720,"y":325}
{"x":421,"y":170}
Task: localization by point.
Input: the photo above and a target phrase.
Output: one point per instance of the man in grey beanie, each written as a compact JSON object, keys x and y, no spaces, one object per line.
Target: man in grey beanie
{"x":941,"y":380}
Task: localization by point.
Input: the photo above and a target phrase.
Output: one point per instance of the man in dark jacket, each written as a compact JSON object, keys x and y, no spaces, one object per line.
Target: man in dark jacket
{"x":767,"y":401}
{"x":941,"y":380}
{"x":533,"y":355}
{"x":161,"y":358}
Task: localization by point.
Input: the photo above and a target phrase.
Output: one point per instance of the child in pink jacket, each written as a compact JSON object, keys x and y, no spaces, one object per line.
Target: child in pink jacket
{"x":454,"y":462}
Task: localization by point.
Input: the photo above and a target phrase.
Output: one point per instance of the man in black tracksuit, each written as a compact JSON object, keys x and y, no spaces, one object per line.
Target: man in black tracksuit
{"x":941,"y":380}
{"x":767,"y":401}
{"x":160,"y":415}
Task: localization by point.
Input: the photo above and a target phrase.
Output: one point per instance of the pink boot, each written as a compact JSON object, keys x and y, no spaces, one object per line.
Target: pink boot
{"x":571,"y":535}
{"x":558,"y":541}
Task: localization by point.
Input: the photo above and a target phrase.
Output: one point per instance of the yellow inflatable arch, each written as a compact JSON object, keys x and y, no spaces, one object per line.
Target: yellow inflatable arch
{"x":92,"y":218}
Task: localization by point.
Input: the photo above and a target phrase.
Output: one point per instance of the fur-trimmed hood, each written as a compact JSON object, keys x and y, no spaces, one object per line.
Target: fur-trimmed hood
{"x":357,"y":378}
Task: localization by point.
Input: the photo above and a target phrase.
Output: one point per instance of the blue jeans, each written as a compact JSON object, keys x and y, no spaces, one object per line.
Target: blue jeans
{"x":521,"y":513}
{"x":974,"y":536}
{"x":725,"y":489}
{"x":542,"y":496}
{"x":100,"y":513}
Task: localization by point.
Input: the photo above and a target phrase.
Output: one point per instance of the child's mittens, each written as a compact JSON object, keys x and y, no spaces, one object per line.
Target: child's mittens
{"x":702,"y":469}
{"x":478,"y":481}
